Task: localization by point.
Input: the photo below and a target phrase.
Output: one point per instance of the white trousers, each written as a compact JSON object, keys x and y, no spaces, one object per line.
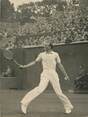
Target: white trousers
{"x":46,"y":77}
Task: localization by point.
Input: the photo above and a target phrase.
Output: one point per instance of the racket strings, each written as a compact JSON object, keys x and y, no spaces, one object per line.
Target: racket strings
{"x":8,"y":54}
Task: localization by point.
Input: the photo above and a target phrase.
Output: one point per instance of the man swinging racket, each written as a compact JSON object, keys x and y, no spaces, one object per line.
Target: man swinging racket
{"x":49,"y":60}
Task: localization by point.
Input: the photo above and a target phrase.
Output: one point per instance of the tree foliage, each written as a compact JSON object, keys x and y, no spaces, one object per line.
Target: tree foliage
{"x":7,"y":9}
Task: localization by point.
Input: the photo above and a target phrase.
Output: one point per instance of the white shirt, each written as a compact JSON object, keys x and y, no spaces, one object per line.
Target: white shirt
{"x":49,"y":60}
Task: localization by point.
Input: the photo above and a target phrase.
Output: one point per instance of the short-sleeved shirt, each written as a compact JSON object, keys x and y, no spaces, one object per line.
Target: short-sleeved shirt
{"x":49,"y":60}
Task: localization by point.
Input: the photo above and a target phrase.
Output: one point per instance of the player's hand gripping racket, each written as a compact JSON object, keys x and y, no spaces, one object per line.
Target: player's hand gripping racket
{"x":8,"y":54}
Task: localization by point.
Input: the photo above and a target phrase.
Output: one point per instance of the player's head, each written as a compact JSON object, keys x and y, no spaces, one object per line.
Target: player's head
{"x":48,"y":45}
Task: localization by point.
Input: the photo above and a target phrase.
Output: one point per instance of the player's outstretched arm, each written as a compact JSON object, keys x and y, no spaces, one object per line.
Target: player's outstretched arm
{"x":63,"y":71}
{"x":28,"y":65}
{"x":38,"y":59}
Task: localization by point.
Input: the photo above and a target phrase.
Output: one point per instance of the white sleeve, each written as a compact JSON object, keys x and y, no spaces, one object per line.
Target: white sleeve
{"x":58,"y":58}
{"x":39,"y":58}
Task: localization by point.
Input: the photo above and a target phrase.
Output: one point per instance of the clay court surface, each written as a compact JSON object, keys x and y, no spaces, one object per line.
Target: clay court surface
{"x":46,"y":105}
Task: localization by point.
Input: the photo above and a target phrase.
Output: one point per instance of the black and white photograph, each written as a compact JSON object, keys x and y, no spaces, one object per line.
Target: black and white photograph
{"x":43,"y":58}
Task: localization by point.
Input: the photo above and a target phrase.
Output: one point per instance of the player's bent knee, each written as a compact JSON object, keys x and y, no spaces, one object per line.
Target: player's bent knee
{"x":59,"y":93}
{"x":40,"y":89}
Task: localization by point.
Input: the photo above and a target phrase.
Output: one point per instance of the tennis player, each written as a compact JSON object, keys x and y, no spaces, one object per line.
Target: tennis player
{"x":49,"y":60}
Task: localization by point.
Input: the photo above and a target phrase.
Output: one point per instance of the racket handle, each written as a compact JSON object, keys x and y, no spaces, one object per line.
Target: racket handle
{"x":16,"y":62}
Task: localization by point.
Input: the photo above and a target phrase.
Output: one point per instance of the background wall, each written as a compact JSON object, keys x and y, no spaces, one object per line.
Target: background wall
{"x":72,"y":56}
{"x":84,"y":3}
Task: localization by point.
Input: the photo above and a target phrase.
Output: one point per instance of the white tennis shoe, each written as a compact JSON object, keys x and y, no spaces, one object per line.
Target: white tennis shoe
{"x":23,"y":108}
{"x":69,"y":110}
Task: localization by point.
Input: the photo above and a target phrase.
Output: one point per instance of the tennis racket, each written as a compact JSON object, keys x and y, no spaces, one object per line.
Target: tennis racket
{"x":8,"y":54}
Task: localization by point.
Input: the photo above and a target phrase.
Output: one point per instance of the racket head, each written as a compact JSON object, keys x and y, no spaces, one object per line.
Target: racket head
{"x":8,"y":54}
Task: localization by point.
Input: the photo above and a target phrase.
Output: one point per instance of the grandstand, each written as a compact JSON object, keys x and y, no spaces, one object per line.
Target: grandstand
{"x":62,"y":26}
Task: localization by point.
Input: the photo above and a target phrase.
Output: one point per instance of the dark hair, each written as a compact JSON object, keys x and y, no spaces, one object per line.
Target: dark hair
{"x":51,"y":45}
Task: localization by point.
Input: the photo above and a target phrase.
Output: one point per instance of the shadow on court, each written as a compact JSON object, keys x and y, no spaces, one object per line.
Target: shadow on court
{"x":46,"y":105}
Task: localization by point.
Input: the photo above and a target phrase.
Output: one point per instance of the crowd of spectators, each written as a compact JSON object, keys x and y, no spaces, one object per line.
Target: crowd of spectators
{"x":67,"y":26}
